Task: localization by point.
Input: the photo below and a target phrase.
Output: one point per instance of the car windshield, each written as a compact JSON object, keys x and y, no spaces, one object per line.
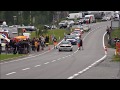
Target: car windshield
{"x":62,"y":22}
{"x":76,"y":32}
{"x":86,"y":17}
{"x":65,"y":42}
{"x":70,"y":37}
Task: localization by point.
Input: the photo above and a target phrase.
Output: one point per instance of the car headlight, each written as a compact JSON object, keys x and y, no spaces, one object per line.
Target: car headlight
{"x":74,"y":40}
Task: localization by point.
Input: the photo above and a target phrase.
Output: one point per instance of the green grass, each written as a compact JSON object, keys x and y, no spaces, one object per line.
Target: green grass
{"x":115,"y":33}
{"x":116,"y":58}
{"x":8,"y":56}
{"x":56,"y":32}
{"x":98,"y":20}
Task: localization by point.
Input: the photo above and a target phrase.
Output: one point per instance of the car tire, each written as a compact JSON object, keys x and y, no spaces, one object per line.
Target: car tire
{"x":71,"y":50}
{"x":59,"y":50}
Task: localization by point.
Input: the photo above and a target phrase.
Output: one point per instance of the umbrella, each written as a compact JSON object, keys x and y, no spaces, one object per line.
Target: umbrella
{"x":21,"y":37}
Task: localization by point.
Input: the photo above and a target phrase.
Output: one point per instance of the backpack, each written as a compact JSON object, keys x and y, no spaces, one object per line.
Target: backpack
{"x":78,"y":40}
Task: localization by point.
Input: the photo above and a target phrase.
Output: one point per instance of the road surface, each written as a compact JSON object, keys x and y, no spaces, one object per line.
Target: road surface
{"x":59,"y":65}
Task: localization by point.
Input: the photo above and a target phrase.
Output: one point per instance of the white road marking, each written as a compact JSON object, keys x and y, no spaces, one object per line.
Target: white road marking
{"x":46,"y":62}
{"x":24,"y":58}
{"x":37,"y":65}
{"x":53,"y":61}
{"x":80,"y":72}
{"x":10,"y":73}
{"x":76,"y":51}
{"x":63,"y":57}
{"x":71,"y":77}
{"x":25,"y":69}
{"x":59,"y":58}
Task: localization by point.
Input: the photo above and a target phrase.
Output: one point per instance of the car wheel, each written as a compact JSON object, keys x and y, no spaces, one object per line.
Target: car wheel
{"x":59,"y":50}
{"x":71,"y":50}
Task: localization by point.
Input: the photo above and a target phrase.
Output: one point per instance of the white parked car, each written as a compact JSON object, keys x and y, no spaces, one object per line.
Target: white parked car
{"x":86,"y":28}
{"x":63,"y":24}
{"x":105,"y":18}
{"x":65,"y":46}
{"x":53,"y":27}
{"x":70,"y":22}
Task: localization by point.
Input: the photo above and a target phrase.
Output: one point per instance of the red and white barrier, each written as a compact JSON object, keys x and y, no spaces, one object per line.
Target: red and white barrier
{"x":105,"y":48}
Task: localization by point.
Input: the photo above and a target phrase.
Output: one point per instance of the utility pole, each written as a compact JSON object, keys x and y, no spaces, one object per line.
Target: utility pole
{"x":30,"y":17}
{"x":21,"y":17}
{"x":14,"y":17}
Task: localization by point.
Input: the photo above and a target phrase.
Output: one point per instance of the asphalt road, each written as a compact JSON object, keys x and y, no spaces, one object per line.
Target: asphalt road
{"x":59,"y":65}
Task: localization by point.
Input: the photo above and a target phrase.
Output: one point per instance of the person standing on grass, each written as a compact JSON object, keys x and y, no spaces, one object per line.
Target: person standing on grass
{"x":108,"y":31}
{"x":55,"y":42}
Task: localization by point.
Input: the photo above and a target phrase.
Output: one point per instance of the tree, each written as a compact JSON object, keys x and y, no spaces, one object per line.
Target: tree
{"x":23,"y":17}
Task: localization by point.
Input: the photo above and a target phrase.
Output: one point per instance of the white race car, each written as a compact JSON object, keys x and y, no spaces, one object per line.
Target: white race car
{"x":65,"y":46}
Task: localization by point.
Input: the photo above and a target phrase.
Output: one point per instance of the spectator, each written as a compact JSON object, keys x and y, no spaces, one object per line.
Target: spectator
{"x":78,"y":42}
{"x":33,"y":44}
{"x":108,"y":32}
{"x":0,"y":48}
{"x":55,"y":42}
{"x":47,"y":40}
{"x":115,"y":39}
{"x":81,"y":43}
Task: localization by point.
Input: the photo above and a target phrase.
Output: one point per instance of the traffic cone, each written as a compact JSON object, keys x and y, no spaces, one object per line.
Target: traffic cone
{"x":48,"y":47}
{"x":105,"y":50}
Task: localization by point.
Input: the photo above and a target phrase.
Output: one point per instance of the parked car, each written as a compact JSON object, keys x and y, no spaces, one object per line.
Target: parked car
{"x":53,"y":27}
{"x":63,"y":24}
{"x":65,"y":46}
{"x":71,"y":22}
{"x":81,"y":21}
{"x":47,"y":27}
{"x":105,"y":18}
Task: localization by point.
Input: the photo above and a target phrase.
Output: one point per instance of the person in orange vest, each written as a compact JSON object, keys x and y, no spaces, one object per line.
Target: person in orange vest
{"x":55,"y":42}
{"x":36,"y":44}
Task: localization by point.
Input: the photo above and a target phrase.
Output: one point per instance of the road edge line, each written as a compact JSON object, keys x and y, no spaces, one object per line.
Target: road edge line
{"x":87,"y":68}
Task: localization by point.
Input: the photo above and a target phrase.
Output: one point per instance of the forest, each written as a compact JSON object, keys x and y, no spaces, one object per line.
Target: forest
{"x":33,"y":17}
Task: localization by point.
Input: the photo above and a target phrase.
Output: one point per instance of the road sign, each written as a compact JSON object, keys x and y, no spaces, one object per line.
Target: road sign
{"x":115,"y":24}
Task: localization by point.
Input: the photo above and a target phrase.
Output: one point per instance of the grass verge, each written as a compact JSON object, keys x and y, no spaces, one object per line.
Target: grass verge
{"x":116,"y":58}
{"x":115,"y":33}
{"x":9,"y":56}
{"x":58,"y":33}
